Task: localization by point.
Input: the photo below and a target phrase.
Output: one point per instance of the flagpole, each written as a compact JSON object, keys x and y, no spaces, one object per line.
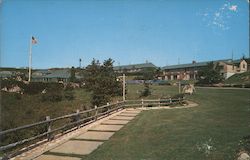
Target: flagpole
{"x":30,"y":58}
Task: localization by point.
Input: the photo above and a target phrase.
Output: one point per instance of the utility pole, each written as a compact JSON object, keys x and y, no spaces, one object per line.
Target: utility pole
{"x":232,"y":55}
{"x":80,"y":62}
{"x":32,"y":41}
{"x":124,"y":87}
{"x":179,"y":86}
{"x":30,"y":59}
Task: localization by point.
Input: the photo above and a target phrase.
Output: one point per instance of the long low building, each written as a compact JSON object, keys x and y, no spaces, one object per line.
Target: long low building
{"x":189,"y":71}
{"x":134,"y":68}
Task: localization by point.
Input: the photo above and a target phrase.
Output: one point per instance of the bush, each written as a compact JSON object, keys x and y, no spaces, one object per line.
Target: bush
{"x":164,"y":83}
{"x":52,"y":96}
{"x":146,"y":92}
{"x":177,"y":96}
{"x":34,"y":87}
{"x":10,"y":83}
{"x":69,"y":95}
{"x":18,"y":96}
{"x":54,"y":92}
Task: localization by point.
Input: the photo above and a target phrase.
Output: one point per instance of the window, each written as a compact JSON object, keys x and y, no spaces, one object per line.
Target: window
{"x":244,"y":66}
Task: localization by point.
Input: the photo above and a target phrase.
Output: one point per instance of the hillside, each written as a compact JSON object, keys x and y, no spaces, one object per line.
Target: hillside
{"x":241,"y":78}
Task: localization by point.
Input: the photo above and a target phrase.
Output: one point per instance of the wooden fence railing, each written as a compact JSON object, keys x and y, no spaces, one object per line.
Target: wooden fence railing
{"x":79,"y":118}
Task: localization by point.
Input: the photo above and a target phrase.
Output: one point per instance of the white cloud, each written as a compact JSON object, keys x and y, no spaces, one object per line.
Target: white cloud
{"x":233,"y":8}
{"x":217,"y":14}
{"x":219,"y":18}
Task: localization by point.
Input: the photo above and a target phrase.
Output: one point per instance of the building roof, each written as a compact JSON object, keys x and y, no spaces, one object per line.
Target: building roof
{"x":40,"y":73}
{"x":5,"y":74}
{"x":135,"y":66}
{"x":59,"y":73}
{"x":62,"y":73}
{"x":192,"y":65}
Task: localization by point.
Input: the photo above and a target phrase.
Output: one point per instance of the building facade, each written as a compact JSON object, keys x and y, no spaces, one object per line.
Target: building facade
{"x":190,"y":71}
{"x":134,"y":68}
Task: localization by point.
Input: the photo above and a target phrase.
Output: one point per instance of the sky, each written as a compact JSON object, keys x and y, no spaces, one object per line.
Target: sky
{"x":164,"y":32}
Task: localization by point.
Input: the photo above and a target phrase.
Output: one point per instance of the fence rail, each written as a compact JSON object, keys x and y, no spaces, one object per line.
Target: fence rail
{"x":77,"y":121}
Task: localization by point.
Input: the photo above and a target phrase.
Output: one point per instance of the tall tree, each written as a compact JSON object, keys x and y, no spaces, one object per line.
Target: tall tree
{"x":100,"y":79}
{"x":148,"y":73}
{"x":210,"y":74}
{"x":72,"y":74}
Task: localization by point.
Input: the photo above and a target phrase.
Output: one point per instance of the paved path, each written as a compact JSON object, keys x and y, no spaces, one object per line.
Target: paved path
{"x":87,"y":142}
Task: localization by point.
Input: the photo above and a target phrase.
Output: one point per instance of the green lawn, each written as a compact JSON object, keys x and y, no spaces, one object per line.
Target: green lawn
{"x":220,"y":122}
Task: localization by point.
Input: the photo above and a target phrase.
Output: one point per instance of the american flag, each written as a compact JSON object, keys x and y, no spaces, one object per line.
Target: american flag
{"x":34,"y":41}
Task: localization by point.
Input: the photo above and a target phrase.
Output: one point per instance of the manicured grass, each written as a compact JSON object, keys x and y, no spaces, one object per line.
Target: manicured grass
{"x":157,"y":91}
{"x":212,"y":130}
{"x":221,"y":120}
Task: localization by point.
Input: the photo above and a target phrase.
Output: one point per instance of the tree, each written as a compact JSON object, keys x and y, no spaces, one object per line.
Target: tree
{"x":100,"y":79}
{"x":148,"y":73}
{"x":210,"y":74}
{"x":146,"y":92}
{"x":72,"y":74}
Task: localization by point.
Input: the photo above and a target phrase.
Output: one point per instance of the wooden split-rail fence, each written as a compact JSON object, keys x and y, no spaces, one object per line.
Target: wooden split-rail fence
{"x":48,"y":129}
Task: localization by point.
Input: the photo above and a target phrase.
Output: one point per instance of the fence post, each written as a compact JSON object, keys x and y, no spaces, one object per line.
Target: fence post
{"x":96,"y":112}
{"x":77,"y":118}
{"x":159,"y":102}
{"x":170,"y":100}
{"x":108,"y":107}
{"x":142,"y":103}
{"x":117,"y":104}
{"x":48,"y":128}
{"x":179,"y":99}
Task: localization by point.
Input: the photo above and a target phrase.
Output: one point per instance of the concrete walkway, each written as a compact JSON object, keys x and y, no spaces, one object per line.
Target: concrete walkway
{"x":85,"y":143}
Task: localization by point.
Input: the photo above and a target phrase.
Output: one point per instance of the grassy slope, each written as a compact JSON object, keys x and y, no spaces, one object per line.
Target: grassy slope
{"x":221,"y":121}
{"x":30,"y":108}
{"x":242,"y":78}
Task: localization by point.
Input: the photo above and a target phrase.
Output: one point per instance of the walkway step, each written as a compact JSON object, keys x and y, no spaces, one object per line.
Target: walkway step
{"x":104,"y":127}
{"x":77,"y":147}
{"x":87,"y":142}
{"x":114,"y":122}
{"x":132,"y":112}
{"x":94,"y":135}
{"x":128,"y":114}
{"x":53,"y":157}
{"x":122,"y":118}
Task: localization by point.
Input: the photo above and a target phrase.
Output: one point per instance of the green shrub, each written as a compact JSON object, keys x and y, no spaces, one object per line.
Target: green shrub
{"x":177,"y":96}
{"x":52,"y":96}
{"x":34,"y":87}
{"x":54,"y":92}
{"x":18,"y":96}
{"x":164,"y":83}
{"x":10,"y":83}
{"x":146,"y":92}
{"x":69,"y":95}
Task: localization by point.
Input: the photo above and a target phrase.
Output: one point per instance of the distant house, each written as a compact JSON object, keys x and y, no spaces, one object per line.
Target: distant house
{"x":6,"y":74}
{"x":190,"y":71}
{"x":57,"y":75}
{"x":134,"y":68}
{"x":230,"y":67}
{"x":54,"y":75}
{"x":248,"y":63}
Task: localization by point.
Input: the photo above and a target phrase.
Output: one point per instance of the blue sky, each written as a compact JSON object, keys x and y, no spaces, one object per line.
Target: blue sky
{"x":128,"y":31}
